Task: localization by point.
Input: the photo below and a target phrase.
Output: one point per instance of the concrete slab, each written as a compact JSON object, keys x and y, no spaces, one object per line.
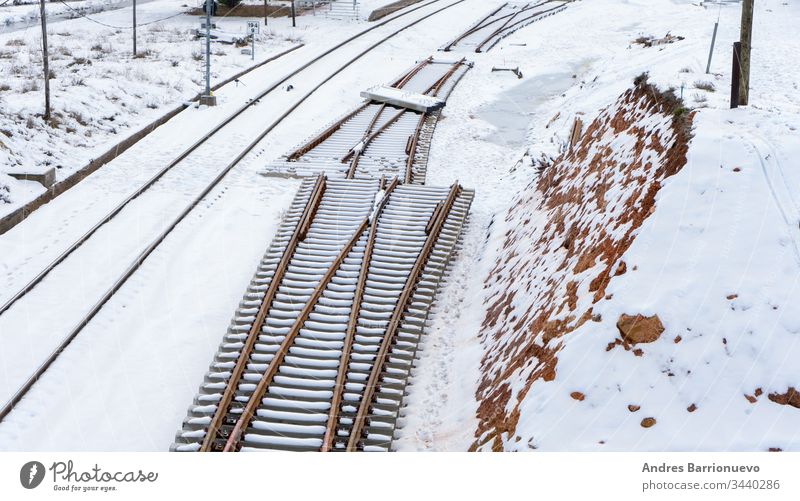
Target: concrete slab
{"x":403,"y":98}
{"x":46,"y":176}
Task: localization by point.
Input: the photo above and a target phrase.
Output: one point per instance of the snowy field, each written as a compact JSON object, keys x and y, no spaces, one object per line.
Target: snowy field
{"x":245,"y":211}
{"x":100,"y":91}
{"x":726,"y":225}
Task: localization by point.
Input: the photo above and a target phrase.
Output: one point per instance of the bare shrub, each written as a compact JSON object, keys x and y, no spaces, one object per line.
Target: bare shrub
{"x":145,"y":53}
{"x":30,"y":85}
{"x":708,"y":86}
{"x":80,"y":61}
{"x":15,"y":42}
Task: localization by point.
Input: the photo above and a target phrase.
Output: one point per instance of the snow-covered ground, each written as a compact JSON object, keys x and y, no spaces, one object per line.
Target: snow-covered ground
{"x":100,"y":92}
{"x":237,"y":234}
{"x":725,"y":225}
{"x":25,"y":14}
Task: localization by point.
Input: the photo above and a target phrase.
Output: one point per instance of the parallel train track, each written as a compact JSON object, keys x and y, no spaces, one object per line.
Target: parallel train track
{"x":142,"y":256}
{"x":318,"y":355}
{"x":502,"y":22}
{"x":378,"y":139}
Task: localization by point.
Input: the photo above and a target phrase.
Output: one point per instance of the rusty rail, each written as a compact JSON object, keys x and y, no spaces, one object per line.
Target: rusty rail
{"x":478,"y":26}
{"x":322,"y":136}
{"x":234,"y":441}
{"x":413,"y":142}
{"x":397,"y":316}
{"x":252,"y":335}
{"x":508,"y":28}
{"x":341,"y":374}
{"x":502,"y":27}
{"x":400,"y":82}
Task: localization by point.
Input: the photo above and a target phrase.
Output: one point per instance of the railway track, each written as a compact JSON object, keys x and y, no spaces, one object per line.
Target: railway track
{"x":319,"y":352}
{"x":321,"y":348}
{"x":502,"y":22}
{"x":207,"y":186}
{"x":378,"y":139}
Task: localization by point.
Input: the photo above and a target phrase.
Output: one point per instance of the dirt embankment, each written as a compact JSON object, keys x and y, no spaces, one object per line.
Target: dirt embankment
{"x":391,"y":8}
{"x":564,"y":241}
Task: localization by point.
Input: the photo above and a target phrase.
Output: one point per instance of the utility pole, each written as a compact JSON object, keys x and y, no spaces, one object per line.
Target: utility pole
{"x":207,"y":99}
{"x":294,"y":24}
{"x":266,"y":7}
{"x":134,"y":28}
{"x":746,"y":39}
{"x":45,"y":60}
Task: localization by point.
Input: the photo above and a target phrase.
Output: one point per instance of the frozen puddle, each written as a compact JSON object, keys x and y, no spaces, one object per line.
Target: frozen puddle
{"x":512,"y":111}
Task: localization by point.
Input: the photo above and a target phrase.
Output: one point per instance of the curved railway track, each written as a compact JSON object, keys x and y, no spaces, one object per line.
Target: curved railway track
{"x":220,"y":175}
{"x":502,"y":22}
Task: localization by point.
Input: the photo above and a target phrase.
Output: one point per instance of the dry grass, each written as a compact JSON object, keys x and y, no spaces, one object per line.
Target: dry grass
{"x":707,"y":86}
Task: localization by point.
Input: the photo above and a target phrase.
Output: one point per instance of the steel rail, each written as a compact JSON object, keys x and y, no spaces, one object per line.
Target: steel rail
{"x":188,"y":151}
{"x":502,"y":27}
{"x":299,"y":233}
{"x":350,"y":332}
{"x":399,"y":83}
{"x":220,"y":176}
{"x":411,"y":149}
{"x":508,"y":29}
{"x":351,"y":172}
{"x":524,"y":8}
{"x":397,"y":316}
{"x":473,"y":29}
{"x":413,"y":142}
{"x":438,"y":85}
{"x":369,"y":136}
{"x":329,"y":131}
{"x":233,"y":442}
{"x":325,"y":134}
{"x":64,"y":255}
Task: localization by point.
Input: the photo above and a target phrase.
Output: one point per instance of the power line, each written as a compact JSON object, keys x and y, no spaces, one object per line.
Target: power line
{"x":101,"y":23}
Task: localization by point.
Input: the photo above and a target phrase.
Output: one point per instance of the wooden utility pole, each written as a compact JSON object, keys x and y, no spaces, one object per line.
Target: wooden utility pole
{"x":46,"y":62}
{"x":134,"y":28}
{"x":746,"y":38}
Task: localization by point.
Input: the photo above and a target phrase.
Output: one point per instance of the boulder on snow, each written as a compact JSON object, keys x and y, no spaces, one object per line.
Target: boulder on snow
{"x":648,"y":422}
{"x":576,"y":395}
{"x":791,"y":397}
{"x":639,"y":329}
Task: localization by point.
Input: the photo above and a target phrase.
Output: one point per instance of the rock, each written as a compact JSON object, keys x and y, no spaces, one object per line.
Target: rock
{"x":692,"y":408}
{"x":791,"y":397}
{"x":633,"y":408}
{"x":640,"y":329}
{"x":648,"y":422}
{"x":577,"y":396}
